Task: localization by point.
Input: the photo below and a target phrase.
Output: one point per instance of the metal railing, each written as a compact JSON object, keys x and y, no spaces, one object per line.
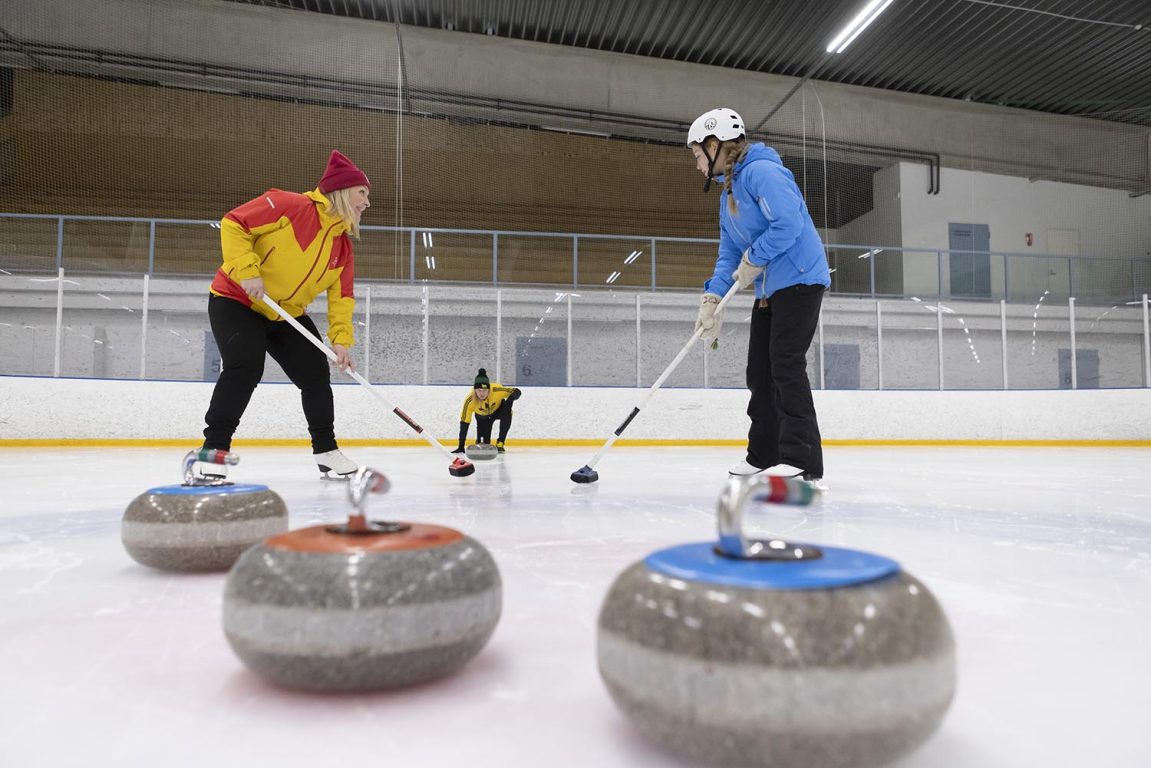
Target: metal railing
{"x":76,"y":301}
{"x":160,"y":246}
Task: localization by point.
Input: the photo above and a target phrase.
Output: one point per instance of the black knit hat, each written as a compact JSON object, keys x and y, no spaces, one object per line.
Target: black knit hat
{"x":482,"y":379}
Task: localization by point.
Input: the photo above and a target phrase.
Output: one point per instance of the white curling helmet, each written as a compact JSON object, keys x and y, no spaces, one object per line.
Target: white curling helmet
{"x":722,"y":123}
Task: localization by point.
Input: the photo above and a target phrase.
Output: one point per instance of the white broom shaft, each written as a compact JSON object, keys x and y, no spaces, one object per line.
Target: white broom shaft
{"x":662,"y":378}
{"x":332,"y":356}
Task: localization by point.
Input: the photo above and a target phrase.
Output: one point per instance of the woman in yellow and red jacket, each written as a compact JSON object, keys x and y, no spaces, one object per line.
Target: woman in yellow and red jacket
{"x":290,"y":247}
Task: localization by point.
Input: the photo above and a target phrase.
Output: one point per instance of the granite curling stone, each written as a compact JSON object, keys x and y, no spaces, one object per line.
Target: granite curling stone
{"x":203,"y":524}
{"x":770,"y":653}
{"x":369,"y":605}
{"x":481,"y":451}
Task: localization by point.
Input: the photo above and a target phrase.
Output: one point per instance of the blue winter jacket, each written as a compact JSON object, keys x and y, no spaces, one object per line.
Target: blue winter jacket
{"x":773,"y":222}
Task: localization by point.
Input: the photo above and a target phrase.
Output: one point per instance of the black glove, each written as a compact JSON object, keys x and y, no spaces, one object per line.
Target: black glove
{"x":515,"y":394}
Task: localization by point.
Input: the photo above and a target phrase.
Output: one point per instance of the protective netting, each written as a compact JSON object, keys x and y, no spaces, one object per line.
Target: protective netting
{"x":115,"y":165}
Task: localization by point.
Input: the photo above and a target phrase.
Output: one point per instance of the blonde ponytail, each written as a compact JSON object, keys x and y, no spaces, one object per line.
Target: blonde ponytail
{"x":735,"y":153}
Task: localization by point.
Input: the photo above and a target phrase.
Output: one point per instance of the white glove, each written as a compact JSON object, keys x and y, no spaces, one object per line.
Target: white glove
{"x":709,"y":320}
{"x":746,"y":273}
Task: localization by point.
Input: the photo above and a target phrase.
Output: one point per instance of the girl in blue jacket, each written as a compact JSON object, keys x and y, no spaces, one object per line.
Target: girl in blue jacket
{"x":766,"y":239}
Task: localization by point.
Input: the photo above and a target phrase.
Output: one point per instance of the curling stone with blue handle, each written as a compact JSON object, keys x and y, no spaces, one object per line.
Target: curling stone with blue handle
{"x":203,"y":524}
{"x":771,"y":653}
{"x":364,"y":606}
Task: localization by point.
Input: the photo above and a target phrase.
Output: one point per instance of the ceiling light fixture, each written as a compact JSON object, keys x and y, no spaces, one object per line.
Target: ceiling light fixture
{"x":861,"y":21}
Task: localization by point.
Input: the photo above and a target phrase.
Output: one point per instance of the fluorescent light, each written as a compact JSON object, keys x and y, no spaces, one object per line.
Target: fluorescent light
{"x":634,"y":255}
{"x":861,"y":21}
{"x":614,"y":276}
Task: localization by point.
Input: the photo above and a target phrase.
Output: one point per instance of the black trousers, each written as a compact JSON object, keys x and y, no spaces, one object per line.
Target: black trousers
{"x":484,"y":423}
{"x":244,"y":337}
{"x":784,"y":429}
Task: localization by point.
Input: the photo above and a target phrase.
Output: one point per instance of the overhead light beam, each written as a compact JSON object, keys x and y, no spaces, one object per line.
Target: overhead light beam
{"x":862,"y":20}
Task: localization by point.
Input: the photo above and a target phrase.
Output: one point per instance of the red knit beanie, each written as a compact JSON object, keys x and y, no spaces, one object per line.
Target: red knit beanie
{"x":342,"y":173}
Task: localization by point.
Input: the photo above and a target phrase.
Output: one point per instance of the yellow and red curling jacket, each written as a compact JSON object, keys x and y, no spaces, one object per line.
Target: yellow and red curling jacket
{"x":300,"y":247}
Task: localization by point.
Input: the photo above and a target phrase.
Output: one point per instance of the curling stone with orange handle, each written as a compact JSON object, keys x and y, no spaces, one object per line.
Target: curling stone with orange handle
{"x":367,"y":605}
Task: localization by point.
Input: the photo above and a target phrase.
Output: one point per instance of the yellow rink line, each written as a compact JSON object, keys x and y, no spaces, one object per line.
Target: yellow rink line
{"x":191,"y":443}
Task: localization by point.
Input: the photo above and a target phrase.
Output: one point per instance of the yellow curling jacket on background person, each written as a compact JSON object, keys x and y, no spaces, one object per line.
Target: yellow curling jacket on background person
{"x":487,"y":402}
{"x":487,"y":407}
{"x":300,"y":247}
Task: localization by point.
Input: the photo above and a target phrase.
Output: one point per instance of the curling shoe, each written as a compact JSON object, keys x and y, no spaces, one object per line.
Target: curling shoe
{"x":784,"y":470}
{"x":789,"y":470}
{"x":335,"y":465}
{"x":500,"y":447}
{"x":743,"y":469}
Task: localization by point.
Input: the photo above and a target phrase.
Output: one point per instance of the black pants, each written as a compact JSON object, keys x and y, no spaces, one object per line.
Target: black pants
{"x":484,"y":423}
{"x":244,"y":336}
{"x":784,"y":429}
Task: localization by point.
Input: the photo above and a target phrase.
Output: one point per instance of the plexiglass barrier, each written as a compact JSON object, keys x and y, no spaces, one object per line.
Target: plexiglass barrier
{"x":133,"y":326}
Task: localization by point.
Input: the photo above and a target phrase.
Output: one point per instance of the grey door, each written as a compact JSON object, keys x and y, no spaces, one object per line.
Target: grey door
{"x":212,"y":361}
{"x":842,"y":371}
{"x":1086,"y":368}
{"x":541,"y":361}
{"x":970,"y":259}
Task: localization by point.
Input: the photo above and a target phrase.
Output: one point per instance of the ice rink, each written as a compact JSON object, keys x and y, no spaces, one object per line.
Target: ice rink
{"x":1041,"y":558}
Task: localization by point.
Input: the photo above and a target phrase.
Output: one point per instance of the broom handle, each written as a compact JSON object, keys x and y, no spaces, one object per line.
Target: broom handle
{"x":415,"y":427}
{"x":659,"y":382}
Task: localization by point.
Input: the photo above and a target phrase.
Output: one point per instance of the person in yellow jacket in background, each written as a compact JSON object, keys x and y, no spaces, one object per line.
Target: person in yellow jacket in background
{"x":290,"y":247}
{"x":488,"y":402}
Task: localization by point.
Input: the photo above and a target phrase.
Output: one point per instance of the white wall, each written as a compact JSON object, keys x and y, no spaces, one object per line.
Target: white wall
{"x":82,"y":409}
{"x":1110,"y":222}
{"x":1107,"y":223}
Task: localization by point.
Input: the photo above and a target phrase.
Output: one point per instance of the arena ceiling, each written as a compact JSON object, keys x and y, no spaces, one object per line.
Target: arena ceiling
{"x":1062,"y":57}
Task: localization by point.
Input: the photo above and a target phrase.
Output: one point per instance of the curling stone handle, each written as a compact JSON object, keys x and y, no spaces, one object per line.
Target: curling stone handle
{"x":365,"y":480}
{"x":206,"y":456}
{"x":762,"y":489}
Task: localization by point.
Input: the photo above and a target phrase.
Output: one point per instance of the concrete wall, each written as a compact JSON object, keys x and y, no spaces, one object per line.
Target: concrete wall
{"x":37,"y":409}
{"x":965,"y":135}
{"x":883,"y":224}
